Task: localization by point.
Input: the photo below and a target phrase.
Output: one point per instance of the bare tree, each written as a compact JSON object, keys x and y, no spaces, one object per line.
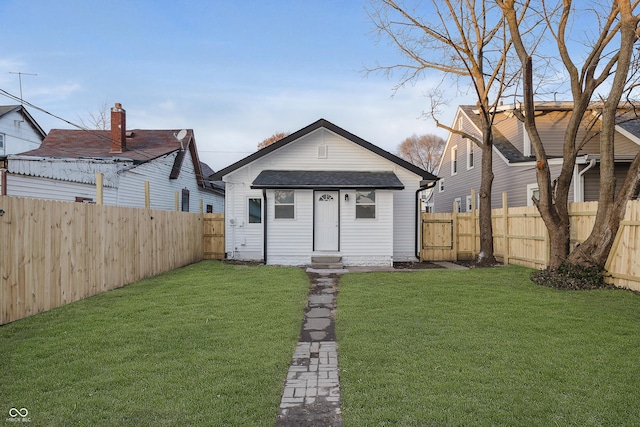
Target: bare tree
{"x":273,"y":138}
{"x":98,"y":120}
{"x":423,"y":151}
{"x":606,"y":60}
{"x":465,"y":40}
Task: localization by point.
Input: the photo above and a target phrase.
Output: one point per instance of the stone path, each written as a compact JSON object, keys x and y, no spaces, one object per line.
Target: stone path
{"x":311,"y":395}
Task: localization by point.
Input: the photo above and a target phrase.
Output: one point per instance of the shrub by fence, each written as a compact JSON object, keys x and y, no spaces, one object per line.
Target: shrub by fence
{"x":520,"y":237}
{"x":54,"y":253}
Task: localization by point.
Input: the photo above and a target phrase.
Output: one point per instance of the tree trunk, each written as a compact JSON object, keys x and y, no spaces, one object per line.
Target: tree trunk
{"x":595,"y":250}
{"x":486,"y":255}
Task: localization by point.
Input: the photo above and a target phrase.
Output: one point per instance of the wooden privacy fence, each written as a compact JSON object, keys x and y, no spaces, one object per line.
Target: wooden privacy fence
{"x":520,"y":237}
{"x":54,"y":253}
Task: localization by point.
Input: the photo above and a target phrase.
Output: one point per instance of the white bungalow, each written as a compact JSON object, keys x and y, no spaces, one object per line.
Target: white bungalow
{"x":323,"y":192}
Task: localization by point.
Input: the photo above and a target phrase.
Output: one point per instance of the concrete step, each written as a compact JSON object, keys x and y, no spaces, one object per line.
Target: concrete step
{"x":326,"y":262}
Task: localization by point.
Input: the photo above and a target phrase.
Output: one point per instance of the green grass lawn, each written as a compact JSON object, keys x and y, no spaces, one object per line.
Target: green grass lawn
{"x":208,"y":344}
{"x":485,"y":347}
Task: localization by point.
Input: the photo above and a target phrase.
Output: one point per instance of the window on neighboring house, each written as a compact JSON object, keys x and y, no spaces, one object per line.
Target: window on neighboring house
{"x":441,"y":185}
{"x":366,"y":204}
{"x":284,"y":204}
{"x":1,"y":143}
{"x":470,"y":159}
{"x":185,"y":200}
{"x":209,"y":208}
{"x":468,"y":203}
{"x":460,"y":123}
{"x":457,"y":204}
{"x":454,"y":160}
{"x":532,"y":193}
{"x":80,"y":199}
{"x":255,"y":211}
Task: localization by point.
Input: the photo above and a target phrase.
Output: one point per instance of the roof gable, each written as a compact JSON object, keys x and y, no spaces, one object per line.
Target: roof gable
{"x":6,"y":109}
{"x":322,"y":123}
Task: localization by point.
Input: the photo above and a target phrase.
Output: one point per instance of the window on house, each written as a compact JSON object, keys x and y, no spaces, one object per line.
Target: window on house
{"x":468,"y":203}
{"x":284,"y":204}
{"x":441,"y":186}
{"x":366,"y":204}
{"x":454,"y":160}
{"x":457,"y":204}
{"x":470,"y":159}
{"x":533,"y":192}
{"x":209,"y":208}
{"x":255,"y":211}
{"x":1,"y":141}
{"x":185,"y":200}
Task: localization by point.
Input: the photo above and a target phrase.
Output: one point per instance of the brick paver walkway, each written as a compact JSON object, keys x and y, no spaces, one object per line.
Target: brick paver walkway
{"x":311,"y":394}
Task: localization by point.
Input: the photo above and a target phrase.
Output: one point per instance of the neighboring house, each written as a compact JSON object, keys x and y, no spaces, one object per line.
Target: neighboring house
{"x":514,"y":162}
{"x":18,"y":132}
{"x":323,"y":191}
{"x":66,"y":165}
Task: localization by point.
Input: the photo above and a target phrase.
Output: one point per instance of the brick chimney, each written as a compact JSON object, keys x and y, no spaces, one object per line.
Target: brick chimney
{"x":118,"y":129}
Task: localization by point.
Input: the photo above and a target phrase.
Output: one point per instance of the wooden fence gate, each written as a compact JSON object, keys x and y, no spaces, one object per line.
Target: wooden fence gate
{"x":438,"y":238}
{"x":213,"y":236}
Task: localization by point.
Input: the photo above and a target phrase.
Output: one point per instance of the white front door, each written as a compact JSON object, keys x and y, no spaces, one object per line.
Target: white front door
{"x":326,"y":230}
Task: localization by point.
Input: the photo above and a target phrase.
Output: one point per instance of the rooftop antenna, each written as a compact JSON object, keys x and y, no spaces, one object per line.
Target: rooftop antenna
{"x":20,"y":74}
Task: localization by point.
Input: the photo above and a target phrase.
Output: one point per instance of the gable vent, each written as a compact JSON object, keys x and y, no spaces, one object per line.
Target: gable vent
{"x":323,"y":151}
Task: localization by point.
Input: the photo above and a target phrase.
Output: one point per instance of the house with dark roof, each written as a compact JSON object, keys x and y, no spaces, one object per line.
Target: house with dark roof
{"x":127,"y":167}
{"x":323,"y":192}
{"x":514,"y":162}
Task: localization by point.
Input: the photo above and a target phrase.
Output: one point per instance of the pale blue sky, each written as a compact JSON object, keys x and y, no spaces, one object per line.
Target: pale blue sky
{"x":234,"y":71}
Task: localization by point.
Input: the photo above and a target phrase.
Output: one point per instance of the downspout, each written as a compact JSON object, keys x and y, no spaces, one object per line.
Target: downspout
{"x":430,"y":184}
{"x":264,"y":225}
{"x":580,"y":181}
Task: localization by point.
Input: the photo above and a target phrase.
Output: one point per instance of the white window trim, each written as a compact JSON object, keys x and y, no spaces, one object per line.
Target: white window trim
{"x":374,"y":204}
{"x":454,"y":160}
{"x":441,"y":185}
{"x":458,"y":202}
{"x":530,"y":189}
{"x":470,"y":154}
{"x":468,"y":203}
{"x":284,"y":204}
{"x":249,"y":211}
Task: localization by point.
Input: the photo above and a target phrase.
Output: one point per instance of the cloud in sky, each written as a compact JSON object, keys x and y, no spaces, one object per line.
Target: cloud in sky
{"x":234,"y":71}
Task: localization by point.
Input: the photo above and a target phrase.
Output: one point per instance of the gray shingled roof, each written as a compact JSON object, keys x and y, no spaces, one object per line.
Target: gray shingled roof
{"x":326,"y":179}
{"x":500,"y":142}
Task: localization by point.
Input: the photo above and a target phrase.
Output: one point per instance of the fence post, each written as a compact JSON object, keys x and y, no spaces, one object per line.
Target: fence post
{"x":455,"y":230}
{"x":147,"y":195}
{"x":177,"y":201}
{"x":505,"y":219}
{"x":474,"y":230}
{"x":99,"y":188}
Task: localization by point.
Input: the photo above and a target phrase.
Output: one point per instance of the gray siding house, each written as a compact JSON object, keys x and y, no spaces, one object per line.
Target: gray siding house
{"x":513,"y":160}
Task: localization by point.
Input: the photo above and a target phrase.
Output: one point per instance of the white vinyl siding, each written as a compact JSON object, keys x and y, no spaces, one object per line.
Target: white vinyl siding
{"x":394,"y":209}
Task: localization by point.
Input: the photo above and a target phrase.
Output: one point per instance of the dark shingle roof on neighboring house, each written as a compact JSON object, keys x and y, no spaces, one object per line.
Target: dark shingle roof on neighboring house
{"x":326,"y":179}
{"x":142,"y":145}
{"x":500,"y":142}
